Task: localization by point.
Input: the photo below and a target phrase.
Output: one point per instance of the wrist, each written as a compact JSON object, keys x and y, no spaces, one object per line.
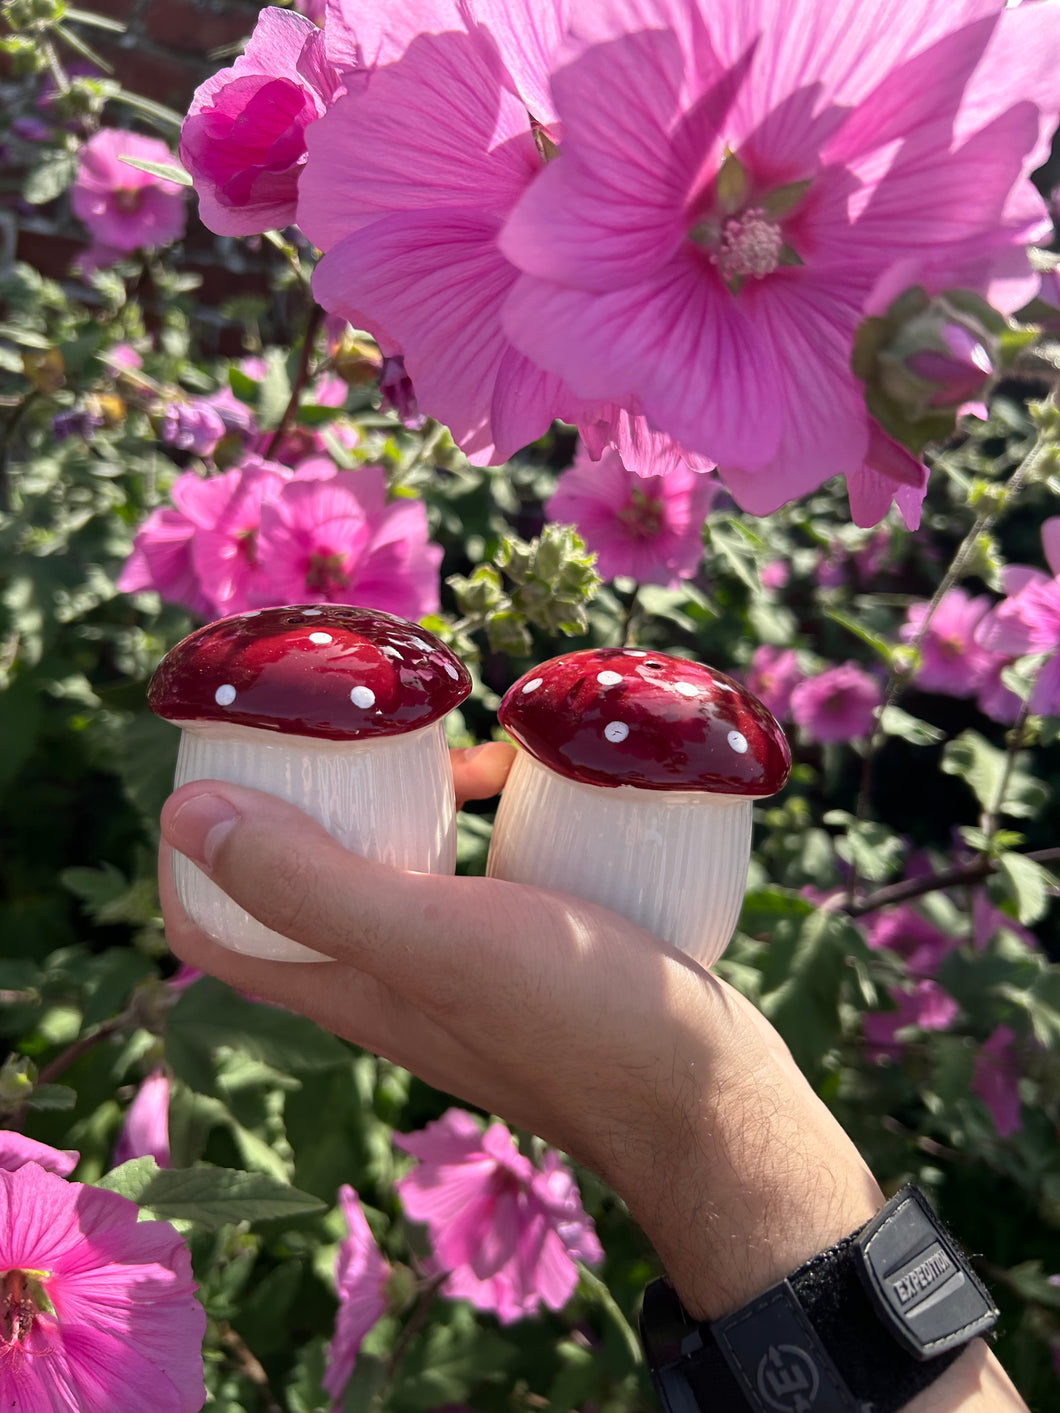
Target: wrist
{"x":750,"y":1175}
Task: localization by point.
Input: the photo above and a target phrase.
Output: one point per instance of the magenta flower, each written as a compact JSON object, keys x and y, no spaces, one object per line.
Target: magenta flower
{"x":909,"y":934}
{"x":243,"y":140}
{"x":445,"y":146}
{"x":1028,"y":620}
{"x":996,"y":1080}
{"x":837,"y":705}
{"x":508,"y":1233}
{"x":125,"y":208}
{"x":773,"y":675}
{"x":642,"y":449}
{"x":925,"y":1006}
{"x":994,"y":699}
{"x":951,"y":660}
{"x":193,"y":425}
{"x":202,"y":554}
{"x":775,"y":574}
{"x":16,"y":1151}
{"x":339,"y":541}
{"x":145,"y":1132}
{"x":649,"y":528}
{"x":97,"y":1309}
{"x":725,"y":203}
{"x":987,"y":920}
{"x":361,"y":1274}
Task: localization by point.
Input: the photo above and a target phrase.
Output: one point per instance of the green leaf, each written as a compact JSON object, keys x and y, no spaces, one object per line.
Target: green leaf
{"x":876,"y":641}
{"x":447,"y":1363}
{"x":211,"y":1197}
{"x":169,"y":171}
{"x":51,"y":1096}
{"x":1027,"y":884}
{"x":274,"y":391}
{"x":159,"y":114}
{"x":209,"y":1015}
{"x":982,"y":767}
{"x":49,"y":178}
{"x":896,"y":722}
{"x":873,"y":849}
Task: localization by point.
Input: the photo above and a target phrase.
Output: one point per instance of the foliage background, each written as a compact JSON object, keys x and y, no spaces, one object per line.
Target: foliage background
{"x":269,"y":1115}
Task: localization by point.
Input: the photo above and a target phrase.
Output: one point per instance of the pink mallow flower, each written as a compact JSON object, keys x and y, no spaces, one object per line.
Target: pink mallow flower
{"x":507,"y":1233}
{"x":951,"y":660}
{"x":838,"y":704}
{"x":649,"y":528}
{"x":145,"y":1132}
{"x":97,"y":1309}
{"x":725,"y":203}
{"x":361,"y":1274}
{"x":909,"y":934}
{"x":1028,"y":620}
{"x":123,"y":207}
{"x":243,"y":140}
{"x":339,"y":541}
{"x":773,"y":675}
{"x":924,"y":1006}
{"x":16,"y":1151}
{"x":996,"y":1080}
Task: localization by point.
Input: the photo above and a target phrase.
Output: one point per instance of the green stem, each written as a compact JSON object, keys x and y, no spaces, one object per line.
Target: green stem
{"x":629,"y":611}
{"x":316,"y":317}
{"x":1044,"y":447}
{"x":1015,"y":740}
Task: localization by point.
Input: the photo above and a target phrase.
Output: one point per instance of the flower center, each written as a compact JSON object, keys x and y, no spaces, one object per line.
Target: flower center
{"x":127,"y":199}
{"x":326,"y":572}
{"x":749,"y":245}
{"x":642,"y":518}
{"x":22,"y":1300}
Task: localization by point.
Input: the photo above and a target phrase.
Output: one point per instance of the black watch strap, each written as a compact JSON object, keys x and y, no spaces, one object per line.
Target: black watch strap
{"x":859,"y":1328}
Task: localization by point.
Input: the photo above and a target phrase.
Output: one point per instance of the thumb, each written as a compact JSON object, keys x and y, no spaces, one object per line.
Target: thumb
{"x":288,"y":872}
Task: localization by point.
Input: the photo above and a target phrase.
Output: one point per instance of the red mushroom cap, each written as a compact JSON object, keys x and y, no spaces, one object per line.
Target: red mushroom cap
{"x":625,"y":716}
{"x":322,"y":670}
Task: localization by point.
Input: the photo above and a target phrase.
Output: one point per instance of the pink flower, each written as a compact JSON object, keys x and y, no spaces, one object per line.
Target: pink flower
{"x":838,"y":704}
{"x":339,"y":541}
{"x":201,"y":554}
{"x":15,"y":1151}
{"x":908,"y":934}
{"x":243,"y":140}
{"x":994,"y":699}
{"x":773,"y":676}
{"x":508,"y":1233}
{"x":361,"y":1274}
{"x":125,"y":208}
{"x":97,"y":1309}
{"x":725,"y":203}
{"x":193,"y":425}
{"x":925,"y":1006}
{"x":647,"y":527}
{"x":988,"y":920}
{"x":1028,"y":620}
{"x":951,"y":661}
{"x":445,"y":146}
{"x":121,"y":357}
{"x":775,"y":574}
{"x":145,"y":1132}
{"x":996,"y":1080}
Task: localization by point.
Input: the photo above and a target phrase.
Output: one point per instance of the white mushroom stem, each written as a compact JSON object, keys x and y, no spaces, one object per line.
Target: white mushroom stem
{"x":673,"y":861}
{"x":390,"y":798}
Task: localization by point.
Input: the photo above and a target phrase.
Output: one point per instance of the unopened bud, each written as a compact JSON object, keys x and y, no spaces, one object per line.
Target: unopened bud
{"x":399,"y":394}
{"x":937,"y":363}
{"x":358,"y":361}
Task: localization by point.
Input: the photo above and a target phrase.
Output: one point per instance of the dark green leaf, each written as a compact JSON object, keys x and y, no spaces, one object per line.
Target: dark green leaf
{"x":211,"y":1197}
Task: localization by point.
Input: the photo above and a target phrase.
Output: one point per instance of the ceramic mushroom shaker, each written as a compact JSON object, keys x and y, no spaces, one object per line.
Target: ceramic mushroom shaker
{"x":339,"y":710}
{"x":634,"y":789}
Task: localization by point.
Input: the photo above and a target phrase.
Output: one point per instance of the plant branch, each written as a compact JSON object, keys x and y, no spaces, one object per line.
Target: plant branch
{"x":248,"y":1364}
{"x":415,"y":1321}
{"x":630,"y":605}
{"x":1015,"y":741}
{"x":901,"y":675}
{"x":316,"y":316}
{"x":976,"y":872}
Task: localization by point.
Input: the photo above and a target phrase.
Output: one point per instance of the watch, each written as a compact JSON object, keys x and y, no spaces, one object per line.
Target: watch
{"x":859,"y":1328}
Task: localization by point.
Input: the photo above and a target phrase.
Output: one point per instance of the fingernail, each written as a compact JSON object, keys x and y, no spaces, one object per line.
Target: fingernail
{"x":200,"y":826}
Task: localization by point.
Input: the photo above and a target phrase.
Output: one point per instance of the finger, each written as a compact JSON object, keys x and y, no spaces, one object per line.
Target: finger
{"x":480,"y":771}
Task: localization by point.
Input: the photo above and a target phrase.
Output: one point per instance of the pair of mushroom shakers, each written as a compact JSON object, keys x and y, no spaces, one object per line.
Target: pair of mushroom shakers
{"x":633,"y":787}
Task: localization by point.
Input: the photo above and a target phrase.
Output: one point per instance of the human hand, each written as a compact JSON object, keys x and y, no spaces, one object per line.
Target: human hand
{"x":561,"y":1016}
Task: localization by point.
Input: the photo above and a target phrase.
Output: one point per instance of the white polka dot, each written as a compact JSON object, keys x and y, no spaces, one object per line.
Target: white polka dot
{"x":634,"y":652}
{"x":320,"y":638}
{"x":453,"y":673}
{"x":225,"y":695}
{"x":738,"y":741}
{"x":616,"y":731}
{"x":609,"y":679}
{"x":362,"y":697}
{"x":687,"y":689}
{"x":312,"y":612}
{"x":532,"y":685}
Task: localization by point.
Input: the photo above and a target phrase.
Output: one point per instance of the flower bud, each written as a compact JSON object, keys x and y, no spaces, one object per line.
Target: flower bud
{"x":937,"y":362}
